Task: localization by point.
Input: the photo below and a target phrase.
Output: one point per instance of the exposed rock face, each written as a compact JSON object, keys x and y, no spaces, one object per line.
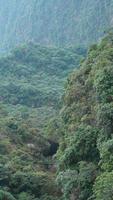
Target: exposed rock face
{"x":52,"y":22}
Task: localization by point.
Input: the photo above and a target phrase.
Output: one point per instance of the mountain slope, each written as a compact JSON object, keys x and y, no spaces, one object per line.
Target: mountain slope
{"x":85,"y":156}
{"x":31,"y":85}
{"x":53,"y":22}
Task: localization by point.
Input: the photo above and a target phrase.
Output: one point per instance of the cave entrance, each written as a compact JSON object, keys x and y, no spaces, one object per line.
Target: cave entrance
{"x":52,"y":150}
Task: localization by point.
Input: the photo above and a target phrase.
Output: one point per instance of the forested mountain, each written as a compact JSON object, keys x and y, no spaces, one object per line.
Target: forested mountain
{"x":85,"y":156}
{"x":83,"y":128}
{"x":53,"y":22}
{"x":32,"y":78}
{"x":56,"y":133}
{"x":31,"y":86}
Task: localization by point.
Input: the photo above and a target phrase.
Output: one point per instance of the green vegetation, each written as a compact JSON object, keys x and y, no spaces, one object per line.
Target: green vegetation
{"x":32,"y":79}
{"x":31,"y":85}
{"x":85,"y":156}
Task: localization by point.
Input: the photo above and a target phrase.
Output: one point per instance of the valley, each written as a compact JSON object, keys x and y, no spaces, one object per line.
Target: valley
{"x":56,"y":100}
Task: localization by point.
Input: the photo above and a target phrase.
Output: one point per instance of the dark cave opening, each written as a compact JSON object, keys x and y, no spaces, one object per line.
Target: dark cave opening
{"x":52,"y":150}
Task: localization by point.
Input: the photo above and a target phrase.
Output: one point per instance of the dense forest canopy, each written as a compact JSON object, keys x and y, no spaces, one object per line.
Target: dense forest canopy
{"x":32,"y":81}
{"x":85,"y":160}
{"x":82,"y":129}
{"x":56,"y":100}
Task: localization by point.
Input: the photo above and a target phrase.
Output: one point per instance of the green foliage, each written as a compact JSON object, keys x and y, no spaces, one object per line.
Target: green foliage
{"x":77,"y":184}
{"x":104,"y":119}
{"x":82,"y":146}
{"x":106,"y":155}
{"x":103,"y":188}
{"x":24,"y":196}
{"x":6,"y":195}
{"x":87,"y":117}
{"x":84,"y":127}
{"x":31,"y":85}
{"x":32,"y":183}
{"x":104,"y":83}
{"x":29,"y":79}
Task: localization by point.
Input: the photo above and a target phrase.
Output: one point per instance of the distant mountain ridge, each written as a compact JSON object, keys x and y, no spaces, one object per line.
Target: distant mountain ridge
{"x":53,"y":23}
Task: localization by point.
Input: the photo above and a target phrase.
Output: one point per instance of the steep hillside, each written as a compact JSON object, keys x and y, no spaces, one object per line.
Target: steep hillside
{"x":31,"y":85}
{"x":32,"y":78}
{"x":52,"y":22}
{"x":85,"y":157}
{"x":84,"y":125}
